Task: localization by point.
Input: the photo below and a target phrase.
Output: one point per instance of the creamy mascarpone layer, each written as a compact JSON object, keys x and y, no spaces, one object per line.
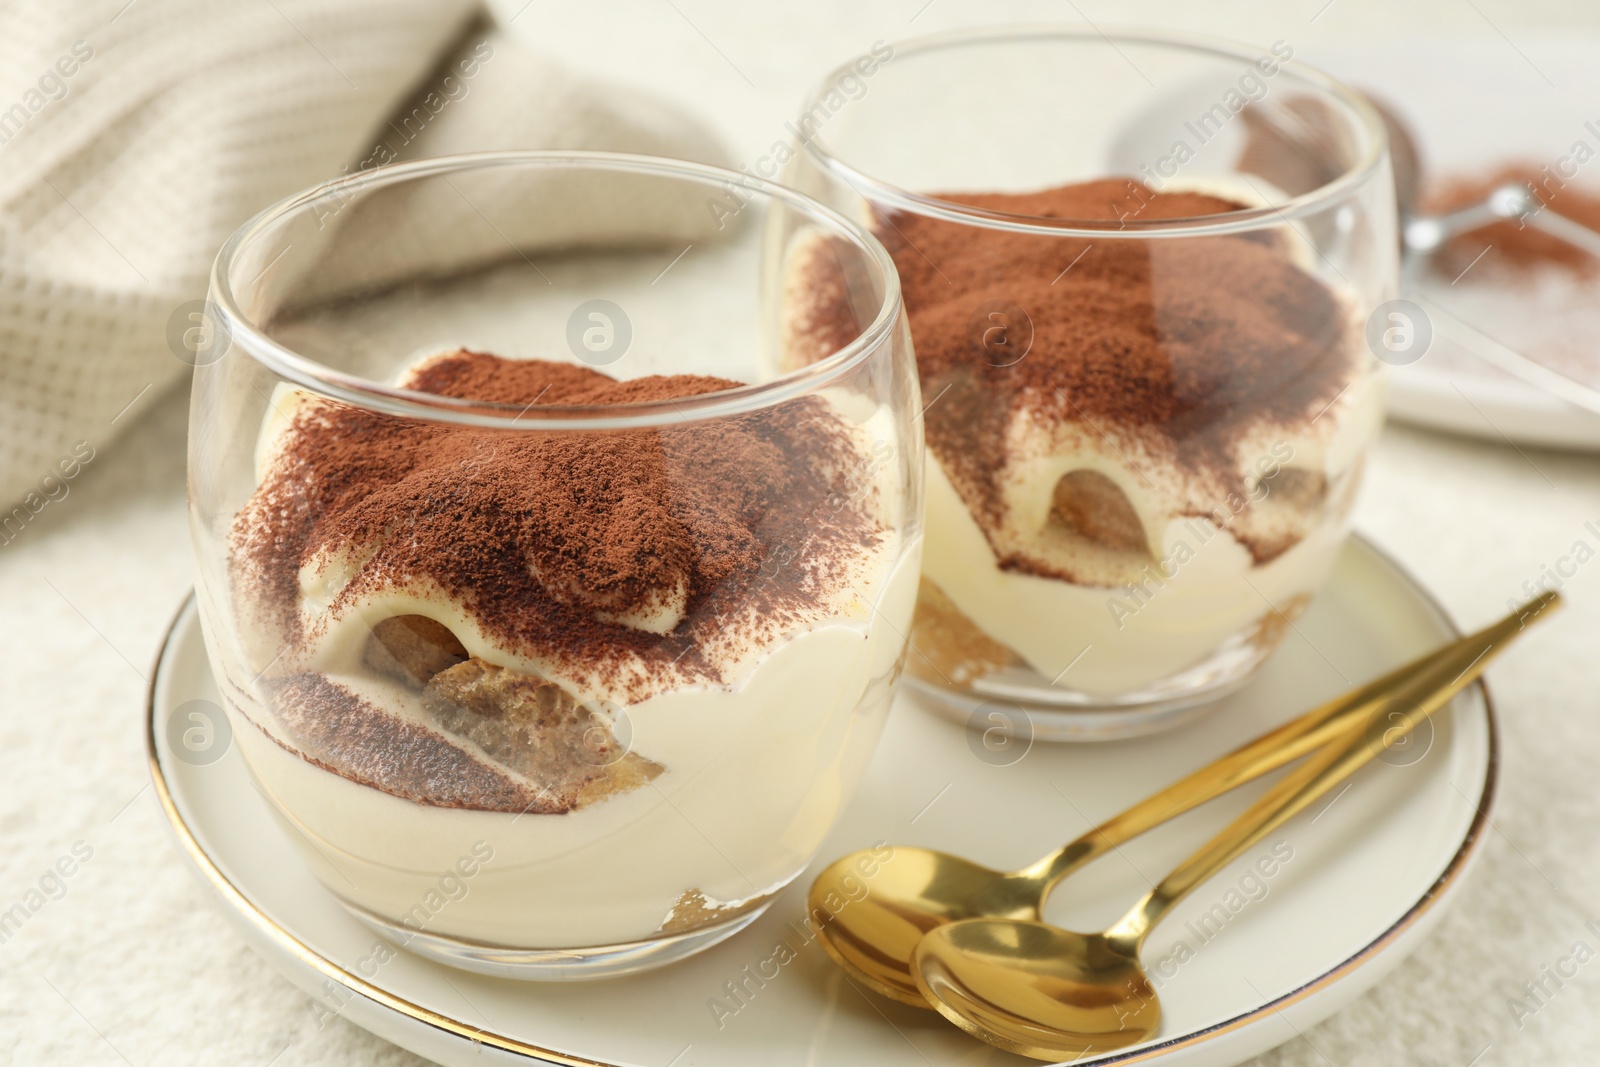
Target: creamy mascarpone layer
{"x":755,"y":777}
{"x":1198,"y":586}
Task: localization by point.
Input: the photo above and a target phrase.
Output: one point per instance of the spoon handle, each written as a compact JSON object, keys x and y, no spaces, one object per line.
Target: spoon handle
{"x":1559,"y":226}
{"x":1427,"y":686}
{"x":1274,"y":749}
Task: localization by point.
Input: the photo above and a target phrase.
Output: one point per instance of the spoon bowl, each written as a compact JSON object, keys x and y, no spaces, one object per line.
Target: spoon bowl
{"x":1038,"y":990}
{"x":913,"y":892}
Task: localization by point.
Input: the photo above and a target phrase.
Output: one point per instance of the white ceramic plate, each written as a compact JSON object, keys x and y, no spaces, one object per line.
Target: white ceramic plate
{"x":1477,"y":400}
{"x":1248,"y":962}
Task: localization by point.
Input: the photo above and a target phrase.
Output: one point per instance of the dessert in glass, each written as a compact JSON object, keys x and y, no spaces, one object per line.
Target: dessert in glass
{"x":556,"y":597}
{"x":1138,"y":270}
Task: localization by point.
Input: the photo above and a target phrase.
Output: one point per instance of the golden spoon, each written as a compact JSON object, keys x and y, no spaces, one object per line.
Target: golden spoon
{"x":873,"y":939}
{"x":1050,"y":993}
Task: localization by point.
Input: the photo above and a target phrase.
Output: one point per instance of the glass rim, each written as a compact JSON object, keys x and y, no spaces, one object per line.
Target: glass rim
{"x":1241,"y":220}
{"x":388,"y":399}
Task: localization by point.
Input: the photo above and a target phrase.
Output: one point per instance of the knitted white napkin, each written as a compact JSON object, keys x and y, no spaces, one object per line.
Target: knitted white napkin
{"x":136,"y":136}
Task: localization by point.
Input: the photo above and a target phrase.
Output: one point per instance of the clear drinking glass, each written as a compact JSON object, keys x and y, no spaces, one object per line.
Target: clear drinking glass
{"x":556,"y":580}
{"x":1139,"y":270}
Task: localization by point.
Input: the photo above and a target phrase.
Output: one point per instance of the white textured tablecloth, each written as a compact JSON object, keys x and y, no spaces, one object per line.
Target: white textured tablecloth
{"x":132,"y":965}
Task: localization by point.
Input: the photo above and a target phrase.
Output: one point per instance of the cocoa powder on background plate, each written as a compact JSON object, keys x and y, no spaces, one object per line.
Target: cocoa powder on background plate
{"x":1509,"y":247}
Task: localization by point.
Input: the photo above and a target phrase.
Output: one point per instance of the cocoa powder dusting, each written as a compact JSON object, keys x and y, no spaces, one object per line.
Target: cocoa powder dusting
{"x":340,"y":732}
{"x":1187,"y":340}
{"x":546,"y":538}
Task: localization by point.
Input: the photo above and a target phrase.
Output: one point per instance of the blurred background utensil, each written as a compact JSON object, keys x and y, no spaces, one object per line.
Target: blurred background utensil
{"x":1422,"y":235}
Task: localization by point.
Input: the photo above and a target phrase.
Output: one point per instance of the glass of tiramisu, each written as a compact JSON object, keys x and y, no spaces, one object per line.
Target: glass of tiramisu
{"x":555,"y":571}
{"x":1139,"y":271}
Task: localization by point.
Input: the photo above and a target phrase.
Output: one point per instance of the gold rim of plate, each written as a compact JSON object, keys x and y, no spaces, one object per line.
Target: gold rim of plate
{"x":287,"y":941}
